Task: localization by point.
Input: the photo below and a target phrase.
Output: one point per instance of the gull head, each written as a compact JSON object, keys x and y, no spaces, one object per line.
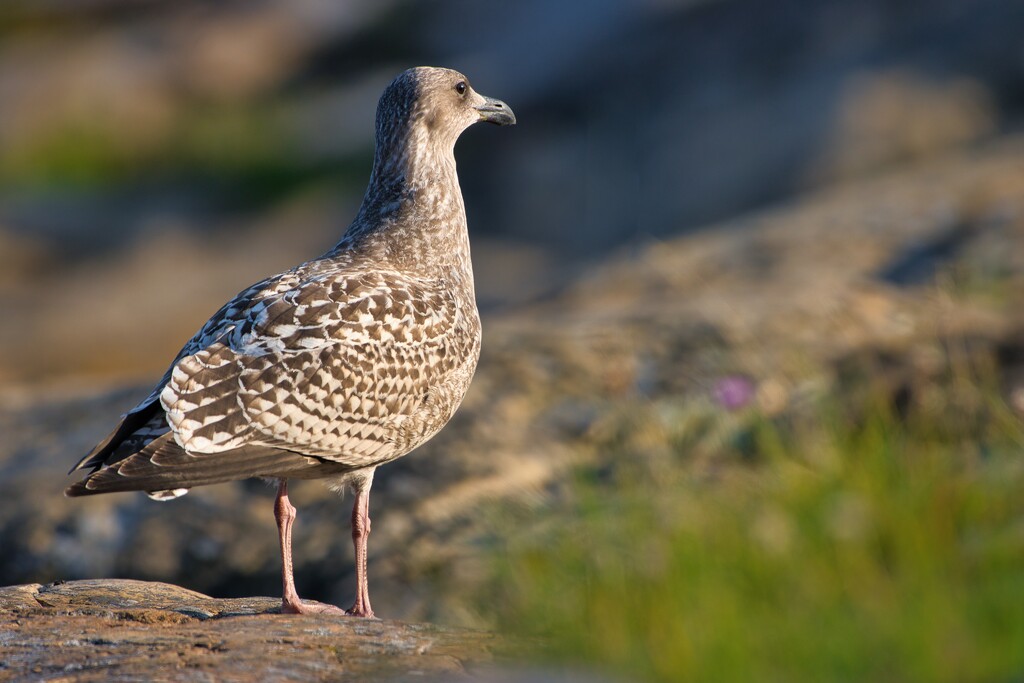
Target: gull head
{"x":435,"y":103}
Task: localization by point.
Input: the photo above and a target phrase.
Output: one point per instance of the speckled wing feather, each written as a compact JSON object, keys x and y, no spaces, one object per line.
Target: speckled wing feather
{"x":336,"y":368}
{"x":349,"y":368}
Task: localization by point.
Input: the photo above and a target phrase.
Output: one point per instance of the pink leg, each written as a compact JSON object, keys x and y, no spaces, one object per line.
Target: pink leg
{"x":284,"y":511}
{"x":360,"y":533}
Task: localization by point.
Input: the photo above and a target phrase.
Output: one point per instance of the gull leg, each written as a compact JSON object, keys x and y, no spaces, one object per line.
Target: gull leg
{"x":285,"y":514}
{"x":360,"y":534}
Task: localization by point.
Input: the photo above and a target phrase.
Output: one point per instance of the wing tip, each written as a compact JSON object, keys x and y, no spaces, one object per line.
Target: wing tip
{"x":78,"y":489}
{"x":131,"y":421}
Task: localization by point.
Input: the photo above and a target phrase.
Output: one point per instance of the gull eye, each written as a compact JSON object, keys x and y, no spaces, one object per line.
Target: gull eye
{"x":461,"y":87}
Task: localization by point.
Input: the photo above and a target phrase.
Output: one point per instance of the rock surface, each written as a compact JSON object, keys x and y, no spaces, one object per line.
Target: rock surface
{"x":108,"y":630}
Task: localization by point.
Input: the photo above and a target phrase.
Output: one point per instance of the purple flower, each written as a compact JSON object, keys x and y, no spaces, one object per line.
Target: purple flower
{"x":734,"y":392}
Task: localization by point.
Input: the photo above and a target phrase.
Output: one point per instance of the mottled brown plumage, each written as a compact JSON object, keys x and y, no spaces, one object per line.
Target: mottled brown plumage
{"x":341,"y":364}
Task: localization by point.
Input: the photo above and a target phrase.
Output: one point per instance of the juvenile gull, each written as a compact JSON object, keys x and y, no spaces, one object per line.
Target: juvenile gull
{"x":341,"y":364}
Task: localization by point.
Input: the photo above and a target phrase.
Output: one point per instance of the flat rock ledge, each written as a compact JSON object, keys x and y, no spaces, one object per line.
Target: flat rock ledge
{"x":112,"y":629}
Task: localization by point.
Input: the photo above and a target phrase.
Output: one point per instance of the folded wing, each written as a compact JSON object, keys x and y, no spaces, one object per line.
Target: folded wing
{"x":332,"y":372}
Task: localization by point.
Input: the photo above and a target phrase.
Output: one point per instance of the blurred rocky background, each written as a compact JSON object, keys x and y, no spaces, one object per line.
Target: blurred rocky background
{"x":706,"y":206}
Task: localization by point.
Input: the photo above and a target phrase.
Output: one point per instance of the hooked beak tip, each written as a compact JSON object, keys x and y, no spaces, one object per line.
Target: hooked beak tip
{"x":496,"y":112}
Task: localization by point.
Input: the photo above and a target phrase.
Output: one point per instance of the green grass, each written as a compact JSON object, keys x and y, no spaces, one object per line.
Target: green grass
{"x":245,"y":151}
{"x":863,"y":540}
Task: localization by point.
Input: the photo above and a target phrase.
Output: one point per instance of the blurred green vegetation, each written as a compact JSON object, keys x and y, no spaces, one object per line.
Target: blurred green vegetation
{"x":877,"y":533}
{"x":244,"y":151}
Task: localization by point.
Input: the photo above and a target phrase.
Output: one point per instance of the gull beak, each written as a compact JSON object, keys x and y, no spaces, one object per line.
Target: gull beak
{"x":497,"y":112}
